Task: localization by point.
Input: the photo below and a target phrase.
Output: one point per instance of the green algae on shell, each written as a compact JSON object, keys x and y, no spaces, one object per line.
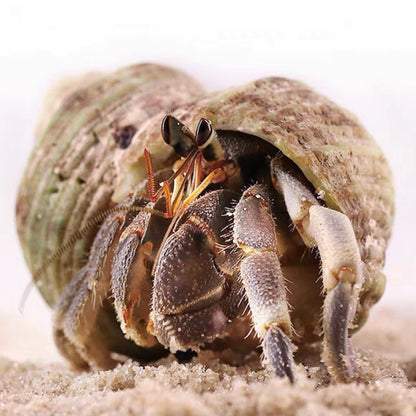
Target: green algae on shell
{"x":71,"y":173}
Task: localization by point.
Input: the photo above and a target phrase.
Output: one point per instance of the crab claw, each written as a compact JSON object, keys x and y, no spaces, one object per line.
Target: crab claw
{"x":338,"y":352}
{"x":188,"y":285}
{"x":276,"y":347}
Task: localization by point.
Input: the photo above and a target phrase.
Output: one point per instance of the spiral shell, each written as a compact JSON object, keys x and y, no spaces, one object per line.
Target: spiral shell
{"x":71,"y":174}
{"x":76,"y":168}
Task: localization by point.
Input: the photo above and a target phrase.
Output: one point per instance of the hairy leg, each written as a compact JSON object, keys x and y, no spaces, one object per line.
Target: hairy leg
{"x":78,"y":307}
{"x":131,"y":280}
{"x":332,"y":233}
{"x":261,"y":275}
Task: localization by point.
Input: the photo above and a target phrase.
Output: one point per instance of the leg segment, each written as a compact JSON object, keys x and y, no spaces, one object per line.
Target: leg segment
{"x":254,"y":233}
{"x":332,"y":233}
{"x":131,"y":281}
{"x":62,"y":342}
{"x":77,"y":310}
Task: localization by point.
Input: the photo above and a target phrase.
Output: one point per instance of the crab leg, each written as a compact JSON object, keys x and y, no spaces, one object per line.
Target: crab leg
{"x":77,"y":310}
{"x":131,"y":282}
{"x":332,"y":233}
{"x":263,"y":279}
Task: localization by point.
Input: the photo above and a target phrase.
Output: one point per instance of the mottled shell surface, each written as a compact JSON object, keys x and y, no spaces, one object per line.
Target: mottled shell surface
{"x":76,"y":168}
{"x":72,"y":172}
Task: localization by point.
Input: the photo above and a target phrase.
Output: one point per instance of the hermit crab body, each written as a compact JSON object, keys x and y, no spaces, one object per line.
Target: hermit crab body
{"x":272,"y":171}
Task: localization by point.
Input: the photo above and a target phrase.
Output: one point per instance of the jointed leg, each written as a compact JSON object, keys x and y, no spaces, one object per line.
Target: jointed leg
{"x":254,"y":233}
{"x":332,"y":233}
{"x":62,"y":342}
{"x":78,"y":307}
{"x":131,"y":282}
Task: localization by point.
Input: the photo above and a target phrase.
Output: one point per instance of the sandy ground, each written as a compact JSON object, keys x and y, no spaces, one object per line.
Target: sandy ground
{"x":216,"y":385}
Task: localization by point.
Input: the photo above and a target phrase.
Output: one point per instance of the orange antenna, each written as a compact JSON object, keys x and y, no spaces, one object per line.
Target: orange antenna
{"x":181,"y":169}
{"x":150,"y":176}
{"x":166,"y":191}
{"x":177,"y":200}
{"x":213,"y":177}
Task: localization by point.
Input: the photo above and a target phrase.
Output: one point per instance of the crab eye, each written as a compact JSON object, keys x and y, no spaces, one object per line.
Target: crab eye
{"x":203,"y":132}
{"x":177,"y":135}
{"x":165,"y":128}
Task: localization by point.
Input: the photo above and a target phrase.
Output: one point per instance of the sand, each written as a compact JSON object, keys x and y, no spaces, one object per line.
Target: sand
{"x":225,"y":384}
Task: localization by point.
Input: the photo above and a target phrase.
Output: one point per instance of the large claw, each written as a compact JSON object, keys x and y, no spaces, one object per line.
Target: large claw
{"x":189,"y":288}
{"x":276,"y":347}
{"x":338,"y":352}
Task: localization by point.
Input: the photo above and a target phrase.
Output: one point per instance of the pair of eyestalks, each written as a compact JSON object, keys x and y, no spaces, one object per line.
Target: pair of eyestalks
{"x":187,"y":178}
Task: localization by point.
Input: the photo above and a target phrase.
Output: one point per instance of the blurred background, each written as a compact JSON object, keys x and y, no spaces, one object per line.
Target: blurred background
{"x":362,"y":55}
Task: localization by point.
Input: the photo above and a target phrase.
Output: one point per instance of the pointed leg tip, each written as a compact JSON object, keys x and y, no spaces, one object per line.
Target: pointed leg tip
{"x":342,"y":369}
{"x":278,"y":352}
{"x":289,"y":372}
{"x":338,"y":353}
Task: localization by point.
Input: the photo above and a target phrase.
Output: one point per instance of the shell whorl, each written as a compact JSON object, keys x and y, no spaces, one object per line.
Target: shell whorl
{"x":72,"y":172}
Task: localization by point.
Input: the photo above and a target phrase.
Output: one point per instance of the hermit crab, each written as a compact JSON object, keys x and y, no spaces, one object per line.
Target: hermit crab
{"x":156,"y":217}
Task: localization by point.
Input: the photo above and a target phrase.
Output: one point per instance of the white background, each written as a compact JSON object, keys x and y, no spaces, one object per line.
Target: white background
{"x":360,"y":54}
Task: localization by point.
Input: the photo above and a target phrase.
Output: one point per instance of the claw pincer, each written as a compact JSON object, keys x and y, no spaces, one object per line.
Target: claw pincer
{"x":190,"y":290}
